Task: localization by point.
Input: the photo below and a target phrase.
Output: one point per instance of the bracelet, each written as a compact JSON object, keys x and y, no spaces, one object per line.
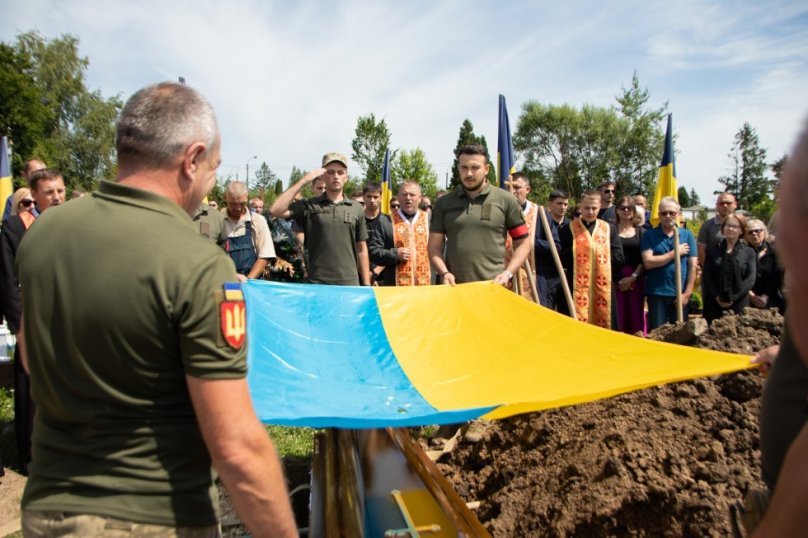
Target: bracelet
{"x":443,"y":274}
{"x":635,"y":275}
{"x":509,"y":274}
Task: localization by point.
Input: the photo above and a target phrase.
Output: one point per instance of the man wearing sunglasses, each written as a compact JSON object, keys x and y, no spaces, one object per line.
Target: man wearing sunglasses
{"x":656,"y":247}
{"x":710,"y":233}
{"x":608,"y":192}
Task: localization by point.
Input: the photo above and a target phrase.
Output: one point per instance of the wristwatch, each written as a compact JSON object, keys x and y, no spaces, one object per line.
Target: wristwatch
{"x":510,"y":275}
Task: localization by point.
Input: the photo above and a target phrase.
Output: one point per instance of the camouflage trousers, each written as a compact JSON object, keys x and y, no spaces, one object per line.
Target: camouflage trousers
{"x":36,"y":524}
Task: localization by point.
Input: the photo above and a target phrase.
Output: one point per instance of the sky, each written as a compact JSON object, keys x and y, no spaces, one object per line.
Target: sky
{"x":288,"y":79}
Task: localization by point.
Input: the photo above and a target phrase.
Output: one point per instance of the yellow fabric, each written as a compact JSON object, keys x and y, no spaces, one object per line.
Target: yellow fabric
{"x":455,"y":362}
{"x":592,"y":273}
{"x":6,"y":190}
{"x":415,"y":236}
{"x":666,"y":186}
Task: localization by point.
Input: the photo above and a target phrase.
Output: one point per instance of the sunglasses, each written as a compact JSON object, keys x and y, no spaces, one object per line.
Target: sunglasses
{"x":26,"y":202}
{"x":609,"y":190}
{"x":668,"y":213}
{"x":726,"y":202}
{"x":756,"y":231}
{"x":625,"y":208}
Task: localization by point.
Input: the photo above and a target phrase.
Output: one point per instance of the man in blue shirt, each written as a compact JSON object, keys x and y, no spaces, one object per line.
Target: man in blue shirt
{"x":658,"y":257}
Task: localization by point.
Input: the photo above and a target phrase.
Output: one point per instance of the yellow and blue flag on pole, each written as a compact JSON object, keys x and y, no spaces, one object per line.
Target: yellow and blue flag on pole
{"x":6,"y":186}
{"x":666,"y":183}
{"x":505,"y":161}
{"x":387,"y":184}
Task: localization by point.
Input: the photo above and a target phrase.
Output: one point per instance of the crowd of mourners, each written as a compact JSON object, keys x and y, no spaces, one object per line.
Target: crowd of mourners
{"x":131,"y":332}
{"x":732,"y":262}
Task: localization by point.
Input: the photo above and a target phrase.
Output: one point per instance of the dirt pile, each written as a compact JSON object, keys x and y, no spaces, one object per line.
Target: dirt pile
{"x":665,"y":461}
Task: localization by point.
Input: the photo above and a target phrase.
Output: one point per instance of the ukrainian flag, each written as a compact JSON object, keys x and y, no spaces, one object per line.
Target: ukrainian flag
{"x":387,"y":184}
{"x":6,"y":186}
{"x":666,"y":183}
{"x":357,"y":357}
{"x":505,"y":161}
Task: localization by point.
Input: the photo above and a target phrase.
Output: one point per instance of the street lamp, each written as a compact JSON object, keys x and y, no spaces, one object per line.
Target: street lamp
{"x":247,"y":180}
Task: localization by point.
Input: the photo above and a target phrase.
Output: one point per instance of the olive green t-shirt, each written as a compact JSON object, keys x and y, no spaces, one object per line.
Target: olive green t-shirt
{"x":475,"y":231}
{"x":332,"y":231}
{"x":121,"y":300}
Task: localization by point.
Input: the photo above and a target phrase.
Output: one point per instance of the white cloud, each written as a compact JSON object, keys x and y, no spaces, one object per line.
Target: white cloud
{"x":288,"y":80}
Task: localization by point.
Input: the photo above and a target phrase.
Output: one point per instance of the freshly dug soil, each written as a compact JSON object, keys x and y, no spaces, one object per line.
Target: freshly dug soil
{"x":664,"y":461}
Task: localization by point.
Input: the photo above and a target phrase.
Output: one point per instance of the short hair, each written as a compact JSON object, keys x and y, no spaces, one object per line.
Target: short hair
{"x":474,"y":149}
{"x":589,"y":193}
{"x":669,"y":200}
{"x":520,"y":175}
{"x":236,"y":189}
{"x":628,"y":200}
{"x":606,"y":183}
{"x":371,"y":188}
{"x":26,"y":168}
{"x":556,"y":194}
{"x":761,"y":224}
{"x":409,"y":182}
{"x":741,"y":220}
{"x":160,"y":121}
{"x":45,"y":174}
{"x":256,"y":199}
{"x":17,"y":197}
{"x":720,"y":194}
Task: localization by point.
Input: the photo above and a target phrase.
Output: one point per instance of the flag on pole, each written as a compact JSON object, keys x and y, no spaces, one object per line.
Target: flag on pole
{"x":387,"y":184}
{"x":666,"y":183}
{"x":6,"y":186}
{"x":505,"y":160}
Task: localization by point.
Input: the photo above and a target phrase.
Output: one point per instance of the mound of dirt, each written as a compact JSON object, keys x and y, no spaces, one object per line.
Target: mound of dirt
{"x":664,"y":461}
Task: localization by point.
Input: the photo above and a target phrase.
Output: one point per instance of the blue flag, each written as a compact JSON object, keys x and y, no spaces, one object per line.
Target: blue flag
{"x":505,"y":160}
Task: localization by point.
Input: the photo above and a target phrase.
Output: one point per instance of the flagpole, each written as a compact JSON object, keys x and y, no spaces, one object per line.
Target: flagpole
{"x":678,"y":261}
{"x":557,"y":259}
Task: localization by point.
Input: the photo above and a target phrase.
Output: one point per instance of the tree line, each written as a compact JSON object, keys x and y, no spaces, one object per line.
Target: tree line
{"x":49,"y":113}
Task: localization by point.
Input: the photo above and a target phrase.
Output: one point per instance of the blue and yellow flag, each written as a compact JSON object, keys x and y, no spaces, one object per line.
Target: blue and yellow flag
{"x":6,"y":186}
{"x":505,"y":161}
{"x":387,"y":184}
{"x":666,"y":183}
{"x":361,"y":357}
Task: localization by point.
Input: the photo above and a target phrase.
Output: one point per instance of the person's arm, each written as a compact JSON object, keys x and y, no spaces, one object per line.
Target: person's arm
{"x":380,"y":245}
{"x":281,"y":206}
{"x":749,"y":274}
{"x":264,"y":247}
{"x":542,"y":245}
{"x":654,"y":261}
{"x":243,"y":455}
{"x":787,"y":514}
{"x":692,"y":265}
{"x":363,"y":262}
{"x":434,"y":248}
{"x":521,"y":250}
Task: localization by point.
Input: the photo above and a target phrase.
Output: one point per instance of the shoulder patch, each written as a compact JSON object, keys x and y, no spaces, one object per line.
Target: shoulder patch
{"x":233,"y":315}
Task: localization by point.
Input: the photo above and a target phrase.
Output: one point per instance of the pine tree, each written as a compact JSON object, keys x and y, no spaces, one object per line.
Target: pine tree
{"x":747,"y":179}
{"x":467,"y":137}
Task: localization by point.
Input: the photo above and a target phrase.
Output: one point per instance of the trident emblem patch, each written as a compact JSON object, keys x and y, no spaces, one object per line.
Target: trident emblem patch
{"x":232,"y":316}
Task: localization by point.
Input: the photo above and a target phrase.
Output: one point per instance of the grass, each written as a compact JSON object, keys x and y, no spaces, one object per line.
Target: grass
{"x":8,"y":442}
{"x":292,"y":441}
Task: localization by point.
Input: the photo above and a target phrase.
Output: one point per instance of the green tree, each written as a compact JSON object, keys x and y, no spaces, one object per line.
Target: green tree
{"x":467,"y":137}
{"x":641,"y":141}
{"x":77,"y":133}
{"x":265,"y":180}
{"x":694,"y":198}
{"x":369,"y":146}
{"x":23,"y":116}
{"x":778,"y":166}
{"x":684,"y":197}
{"x":414,"y":165}
{"x":747,"y":178}
{"x":576,"y":149}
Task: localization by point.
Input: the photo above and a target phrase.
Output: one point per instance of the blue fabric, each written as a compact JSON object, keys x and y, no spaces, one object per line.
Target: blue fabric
{"x":308,"y":339}
{"x":662,"y":280}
